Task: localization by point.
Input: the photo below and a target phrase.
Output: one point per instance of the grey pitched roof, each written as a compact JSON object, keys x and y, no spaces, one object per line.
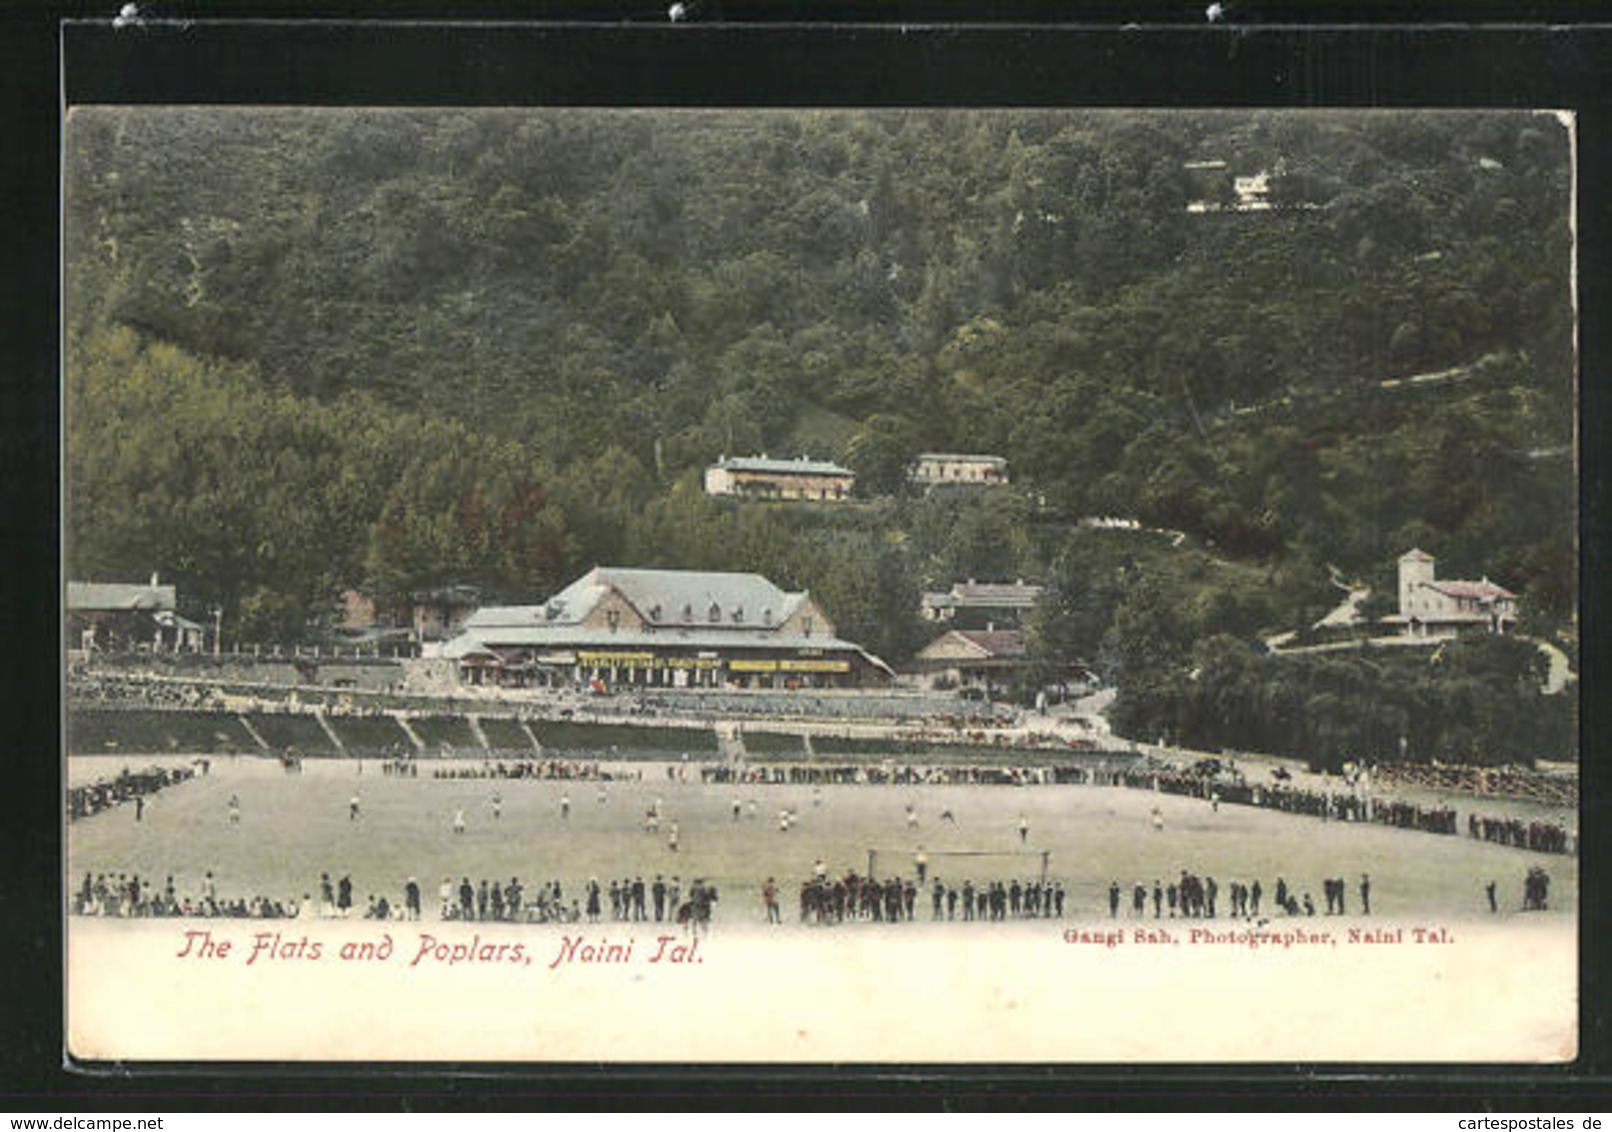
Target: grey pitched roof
{"x":989,"y":595}
{"x":662,"y":597}
{"x":799,"y":467}
{"x":973,"y":458}
{"x":118,"y":595}
{"x":676,"y":603}
{"x":581,"y":637}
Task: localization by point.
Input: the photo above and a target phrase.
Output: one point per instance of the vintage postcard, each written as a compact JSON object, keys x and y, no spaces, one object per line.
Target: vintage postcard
{"x":576,"y":585}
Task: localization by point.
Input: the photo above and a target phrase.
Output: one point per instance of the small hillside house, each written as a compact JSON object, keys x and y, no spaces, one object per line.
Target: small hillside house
{"x":941,"y":469}
{"x":1429,"y":606}
{"x":761,"y":477}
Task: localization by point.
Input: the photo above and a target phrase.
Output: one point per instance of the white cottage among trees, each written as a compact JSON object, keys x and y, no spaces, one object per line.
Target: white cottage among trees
{"x":1429,"y":606}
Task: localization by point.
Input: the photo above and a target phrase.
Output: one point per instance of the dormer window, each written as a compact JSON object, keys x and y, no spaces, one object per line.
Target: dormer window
{"x":714,"y":614}
{"x":688,"y":612}
{"x":738,"y":615}
{"x":766,"y":617}
{"x":654,"y":613}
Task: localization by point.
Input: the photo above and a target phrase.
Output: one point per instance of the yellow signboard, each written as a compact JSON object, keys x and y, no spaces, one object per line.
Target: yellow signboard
{"x":814,"y":666}
{"x":619,"y":659}
{"x":650,"y":660}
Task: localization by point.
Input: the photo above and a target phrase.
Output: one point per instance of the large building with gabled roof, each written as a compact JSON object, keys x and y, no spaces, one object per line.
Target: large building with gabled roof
{"x":639,"y":628}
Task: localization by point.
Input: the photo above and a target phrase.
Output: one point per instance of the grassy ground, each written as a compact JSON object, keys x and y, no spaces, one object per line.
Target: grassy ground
{"x":294,"y":827}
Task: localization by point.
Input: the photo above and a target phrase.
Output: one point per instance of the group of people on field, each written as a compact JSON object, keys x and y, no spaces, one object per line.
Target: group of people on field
{"x":132,"y":787}
{"x":127,"y":896}
{"x":546,"y":770}
{"x":1194,"y":897}
{"x":824,"y":899}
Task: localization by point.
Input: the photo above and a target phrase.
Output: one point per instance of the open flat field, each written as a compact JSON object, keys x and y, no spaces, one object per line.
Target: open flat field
{"x":294,"y":827}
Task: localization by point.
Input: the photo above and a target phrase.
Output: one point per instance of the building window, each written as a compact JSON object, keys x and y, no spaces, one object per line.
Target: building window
{"x":806,"y":626}
{"x":613,"y":619}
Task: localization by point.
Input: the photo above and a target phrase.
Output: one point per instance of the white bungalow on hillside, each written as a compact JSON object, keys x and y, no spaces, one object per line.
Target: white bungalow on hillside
{"x":762,"y":477}
{"x":945,"y":469}
{"x":1429,"y":606}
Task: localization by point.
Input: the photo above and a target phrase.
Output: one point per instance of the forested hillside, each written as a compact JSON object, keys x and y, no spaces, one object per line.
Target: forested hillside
{"x":311,"y":350}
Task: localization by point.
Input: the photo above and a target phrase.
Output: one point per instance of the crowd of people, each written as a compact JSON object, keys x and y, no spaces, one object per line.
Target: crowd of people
{"x":129,"y":787}
{"x":126,"y":896}
{"x":1194,"y":897}
{"x":1509,"y":782}
{"x":892,"y":774}
{"x":495,"y":900}
{"x":1147,"y":774}
{"x":547,"y":770}
{"x":113,"y":690}
{"x":1540,"y":836}
{"x":834,"y":900}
